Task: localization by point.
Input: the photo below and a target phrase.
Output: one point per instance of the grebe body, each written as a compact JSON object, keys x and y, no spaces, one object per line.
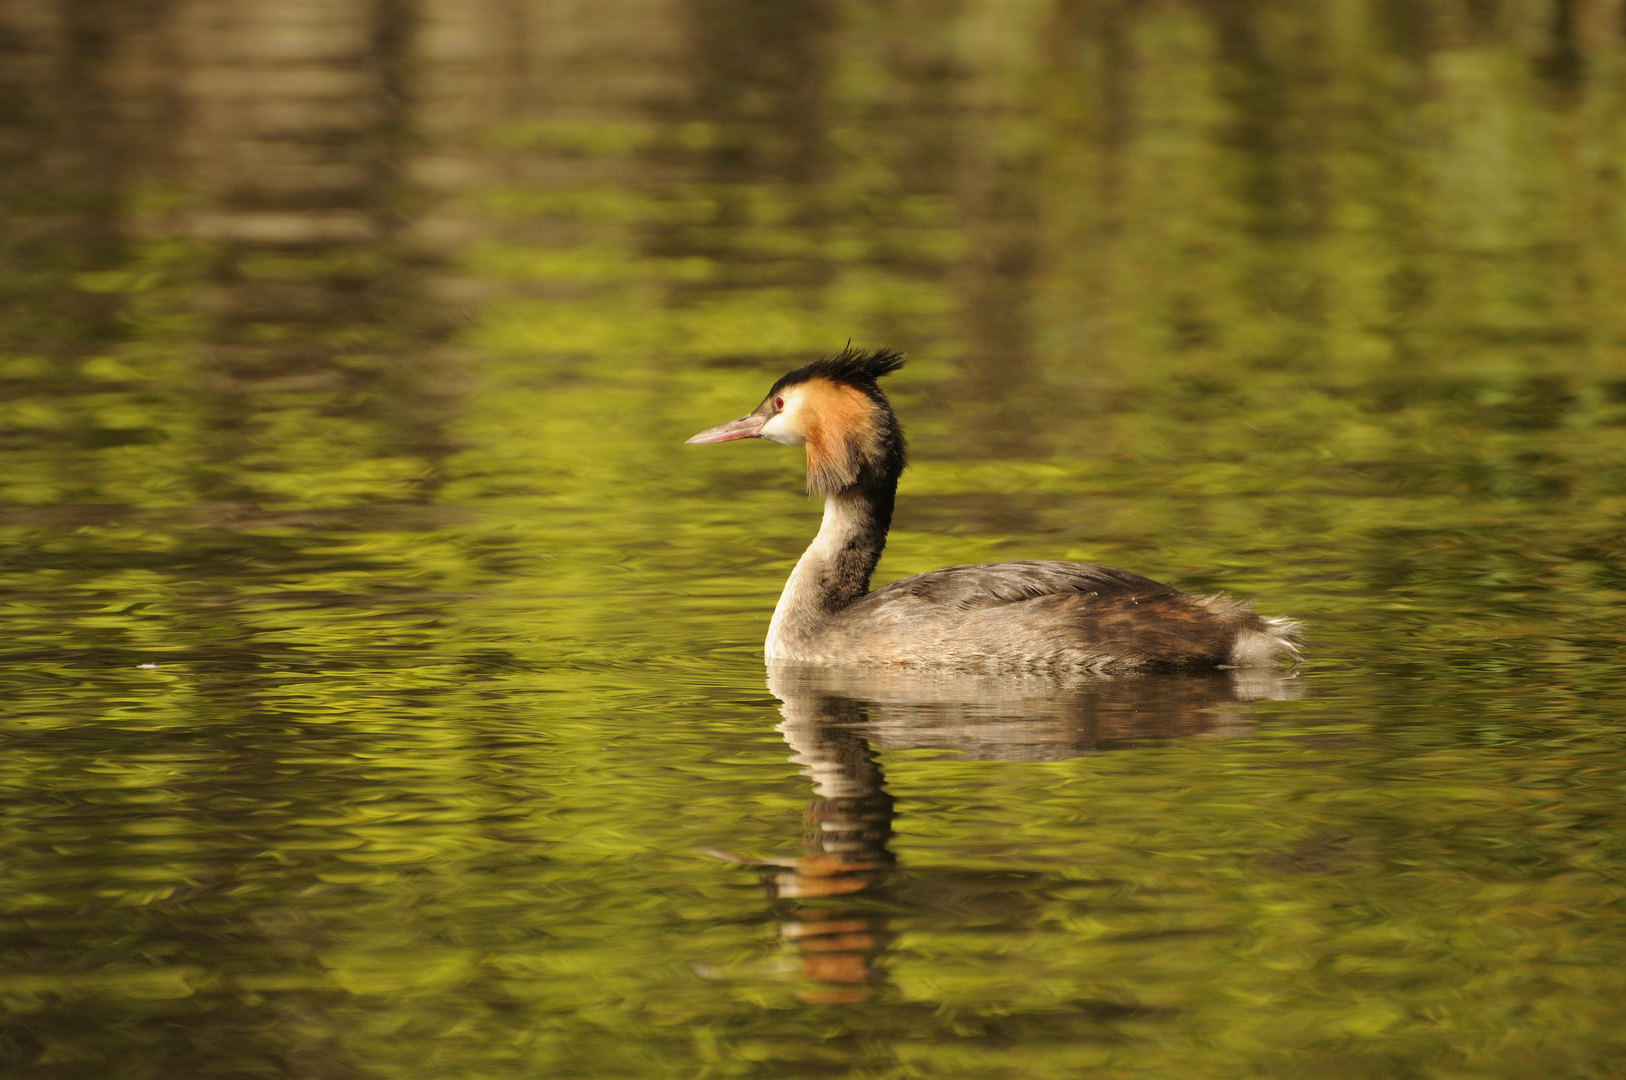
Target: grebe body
{"x":1030,"y":615}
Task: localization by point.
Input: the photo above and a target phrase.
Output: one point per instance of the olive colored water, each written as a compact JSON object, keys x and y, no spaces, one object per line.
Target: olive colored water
{"x":382,"y":677}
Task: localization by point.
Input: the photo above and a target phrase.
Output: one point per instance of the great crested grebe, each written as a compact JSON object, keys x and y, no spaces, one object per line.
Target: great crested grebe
{"x":1046,"y":615}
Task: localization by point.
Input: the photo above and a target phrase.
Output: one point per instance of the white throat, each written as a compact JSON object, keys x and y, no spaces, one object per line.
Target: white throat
{"x":801,"y":606}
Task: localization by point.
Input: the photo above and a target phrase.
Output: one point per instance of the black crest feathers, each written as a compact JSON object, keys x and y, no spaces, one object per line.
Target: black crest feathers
{"x":853,"y":367}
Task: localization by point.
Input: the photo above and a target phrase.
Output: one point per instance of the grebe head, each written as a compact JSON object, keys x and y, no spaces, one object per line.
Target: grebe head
{"x":836,"y":409}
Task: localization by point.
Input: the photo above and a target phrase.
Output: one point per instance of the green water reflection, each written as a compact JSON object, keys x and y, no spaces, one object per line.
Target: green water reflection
{"x":382,"y":678}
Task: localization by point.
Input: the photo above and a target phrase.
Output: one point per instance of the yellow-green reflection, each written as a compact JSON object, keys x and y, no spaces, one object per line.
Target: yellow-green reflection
{"x":382,"y":675}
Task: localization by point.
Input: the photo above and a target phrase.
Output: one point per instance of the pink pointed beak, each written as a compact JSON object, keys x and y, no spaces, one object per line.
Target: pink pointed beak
{"x":746,"y":427}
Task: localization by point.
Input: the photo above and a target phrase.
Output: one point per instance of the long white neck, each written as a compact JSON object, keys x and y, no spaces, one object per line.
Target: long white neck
{"x":832,"y":573}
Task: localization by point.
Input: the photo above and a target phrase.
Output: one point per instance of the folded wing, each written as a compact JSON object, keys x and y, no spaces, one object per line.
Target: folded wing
{"x":985,"y":585}
{"x":1054,"y":614}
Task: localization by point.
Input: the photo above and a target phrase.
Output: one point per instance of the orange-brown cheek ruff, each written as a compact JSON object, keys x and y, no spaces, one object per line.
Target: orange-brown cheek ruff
{"x":842,"y":432}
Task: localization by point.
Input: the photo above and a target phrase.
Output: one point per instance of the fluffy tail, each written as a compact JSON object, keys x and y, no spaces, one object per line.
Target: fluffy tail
{"x":1267,"y":642}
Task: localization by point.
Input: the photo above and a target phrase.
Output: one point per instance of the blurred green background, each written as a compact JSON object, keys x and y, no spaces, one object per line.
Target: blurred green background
{"x":382,"y":678}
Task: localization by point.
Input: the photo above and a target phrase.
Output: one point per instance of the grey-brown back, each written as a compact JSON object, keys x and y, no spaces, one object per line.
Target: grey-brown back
{"x":1040,"y":615}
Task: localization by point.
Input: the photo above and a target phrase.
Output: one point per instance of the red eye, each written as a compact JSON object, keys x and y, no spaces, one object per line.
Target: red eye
{"x":779,"y":404}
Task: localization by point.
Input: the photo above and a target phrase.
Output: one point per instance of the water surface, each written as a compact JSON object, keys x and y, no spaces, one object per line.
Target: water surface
{"x":382,"y":675}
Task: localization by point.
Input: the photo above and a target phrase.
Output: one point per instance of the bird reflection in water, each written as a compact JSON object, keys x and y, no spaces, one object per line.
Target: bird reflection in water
{"x":846,"y":883}
{"x":846,"y":830}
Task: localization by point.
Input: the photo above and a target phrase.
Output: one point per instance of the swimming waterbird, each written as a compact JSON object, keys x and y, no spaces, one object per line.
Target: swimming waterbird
{"x":1031,"y":615}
